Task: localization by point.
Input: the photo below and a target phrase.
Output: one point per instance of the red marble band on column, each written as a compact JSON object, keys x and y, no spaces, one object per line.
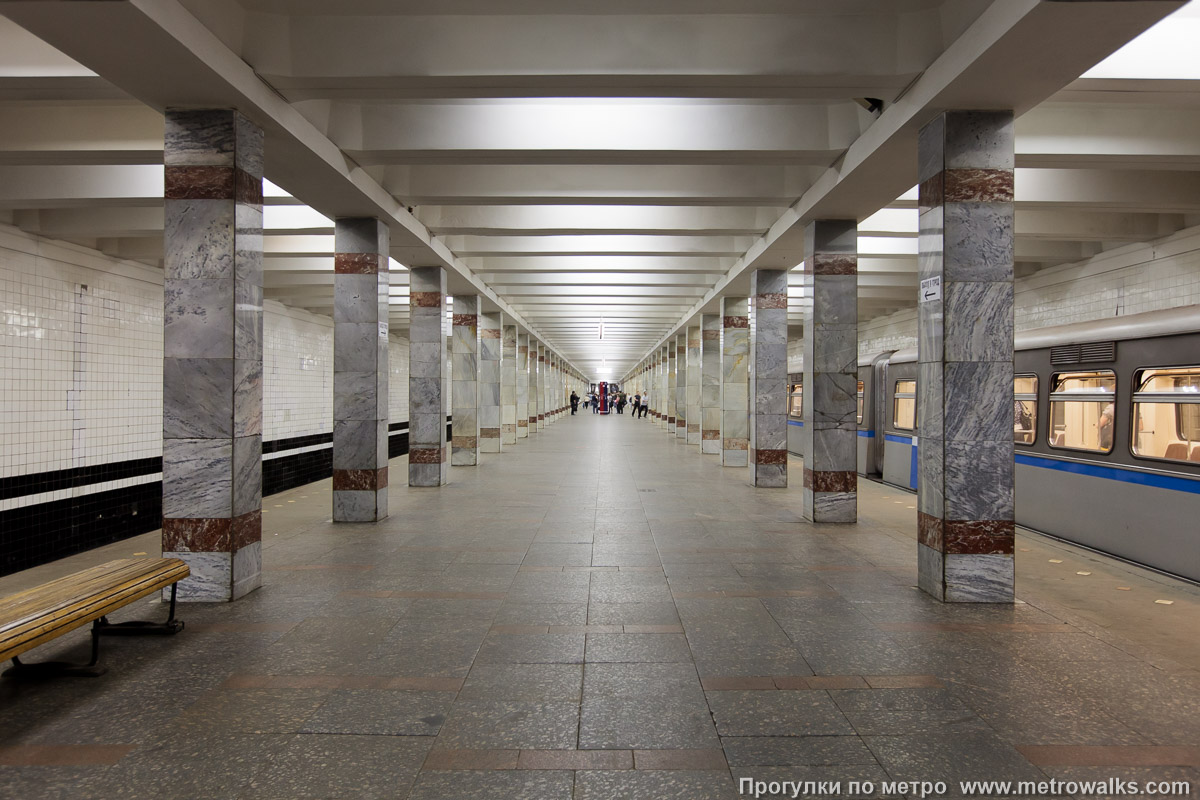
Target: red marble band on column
{"x":489,"y":433}
{"x":489,"y":333}
{"x":967,"y":185}
{"x":426,"y":299}
{"x":711,"y":435}
{"x":465,"y":320}
{"x":832,"y":264}
{"x":929,"y":530}
{"x":770,"y":300}
{"x":769,"y":457}
{"x":693,"y":428}
{"x":522,"y":423}
{"x":979,"y":537}
{"x":246,"y":529}
{"x":358,"y":480}
{"x":736,"y":444}
{"x":359,"y":263}
{"x":427,"y":455}
{"x":196,"y":535}
{"x":831,"y":481}
{"x":736,"y":322}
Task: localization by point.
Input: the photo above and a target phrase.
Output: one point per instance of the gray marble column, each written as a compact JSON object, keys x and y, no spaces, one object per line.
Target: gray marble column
{"x":830,"y":433}
{"x":489,"y":382}
{"x":464,"y":395}
{"x":427,"y":458}
{"x":710,"y":384}
{"x":508,"y":385}
{"x":360,"y":370}
{"x":681,"y":418}
{"x":213,"y":352}
{"x":768,"y":378}
{"x":660,"y":387}
{"x":694,"y":378}
{"x":735,"y":382}
{"x":671,"y":385}
{"x":537,"y":385}
{"x":965,"y":342}
{"x":523,"y":363}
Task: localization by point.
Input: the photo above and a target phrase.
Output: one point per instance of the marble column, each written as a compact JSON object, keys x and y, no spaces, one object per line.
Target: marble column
{"x":660,"y":387}
{"x":360,"y":370}
{"x":830,"y":433}
{"x":465,"y":369}
{"x":522,"y":385}
{"x":427,"y":460}
{"x":681,"y":386}
{"x":694,"y":367}
{"x":672,"y":385}
{"x":735,"y":382}
{"x":768,"y":379}
{"x":213,"y":352}
{"x":537,"y":383}
{"x":489,"y":382}
{"x":710,"y":384}
{"x":508,"y":385}
{"x":965,"y":371}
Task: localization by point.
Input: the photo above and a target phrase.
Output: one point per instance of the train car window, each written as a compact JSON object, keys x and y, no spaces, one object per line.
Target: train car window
{"x":904,"y":407}
{"x":796,"y":400}
{"x":1025,"y":409}
{"x":1082,"y":410}
{"x":1166,"y":413}
{"x":860,"y":402}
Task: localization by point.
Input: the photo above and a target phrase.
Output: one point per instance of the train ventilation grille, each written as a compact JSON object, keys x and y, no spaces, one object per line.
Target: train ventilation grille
{"x":1083,"y":353}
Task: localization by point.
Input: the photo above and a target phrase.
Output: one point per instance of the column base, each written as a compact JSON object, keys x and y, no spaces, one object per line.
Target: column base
{"x":710,"y":447}
{"x":966,"y":577}
{"x":360,"y":505}
{"x":219,"y":577}
{"x":831,"y":507}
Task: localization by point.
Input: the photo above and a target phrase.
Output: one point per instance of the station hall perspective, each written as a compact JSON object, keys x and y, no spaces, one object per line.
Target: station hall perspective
{"x":600,"y":400}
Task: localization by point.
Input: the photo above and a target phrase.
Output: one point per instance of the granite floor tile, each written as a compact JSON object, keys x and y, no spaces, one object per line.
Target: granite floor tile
{"x":637,"y":647}
{"x":511,"y":725}
{"x":547,"y":648}
{"x":312,"y":766}
{"x":654,"y":785}
{"x":386,"y":712}
{"x":510,"y":785}
{"x":523,"y":682}
{"x":645,"y":722}
{"x":780,"y":713}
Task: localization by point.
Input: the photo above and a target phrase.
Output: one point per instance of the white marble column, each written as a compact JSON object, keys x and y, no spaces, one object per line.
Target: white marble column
{"x":489,"y":382}
{"x":830,"y":433}
{"x":360,"y":370}
{"x":694,"y":379}
{"x":464,"y":360}
{"x":671,"y":385}
{"x":735,"y":382}
{"x":965,"y":529}
{"x":522,"y":385}
{"x":213,"y":352}
{"x":537,"y":385}
{"x":710,"y":384}
{"x":681,"y":386}
{"x":427,"y":457}
{"x":768,"y":378}
{"x":508,"y":385}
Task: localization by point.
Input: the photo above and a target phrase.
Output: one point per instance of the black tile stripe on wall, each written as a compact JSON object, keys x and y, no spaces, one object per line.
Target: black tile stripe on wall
{"x":44,"y":532}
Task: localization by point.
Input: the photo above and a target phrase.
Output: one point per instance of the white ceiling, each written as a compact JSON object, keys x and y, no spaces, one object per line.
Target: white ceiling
{"x":611,"y":163}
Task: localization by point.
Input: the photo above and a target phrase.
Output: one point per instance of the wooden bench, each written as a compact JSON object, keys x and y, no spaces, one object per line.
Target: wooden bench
{"x":35,"y":616}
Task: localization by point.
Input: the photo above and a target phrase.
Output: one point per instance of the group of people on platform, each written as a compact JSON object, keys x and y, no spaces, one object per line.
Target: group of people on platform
{"x":618,"y":400}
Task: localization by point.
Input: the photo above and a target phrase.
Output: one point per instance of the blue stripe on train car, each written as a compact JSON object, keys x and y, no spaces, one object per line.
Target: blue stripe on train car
{"x":912,"y":468}
{"x":797,"y":423}
{"x":898,"y":439}
{"x":867,"y":434}
{"x":1173,"y":483}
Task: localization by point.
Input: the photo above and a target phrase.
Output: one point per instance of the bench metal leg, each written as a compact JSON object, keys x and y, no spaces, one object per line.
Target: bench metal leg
{"x":53,"y":669}
{"x":139,"y":627}
{"x":101,"y":627}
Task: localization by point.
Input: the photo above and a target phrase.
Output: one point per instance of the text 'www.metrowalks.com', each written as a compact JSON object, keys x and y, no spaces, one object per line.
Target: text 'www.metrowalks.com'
{"x":1110,"y":787}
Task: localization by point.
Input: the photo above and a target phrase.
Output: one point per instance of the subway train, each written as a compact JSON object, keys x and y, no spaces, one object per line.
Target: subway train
{"x":1106,"y":429}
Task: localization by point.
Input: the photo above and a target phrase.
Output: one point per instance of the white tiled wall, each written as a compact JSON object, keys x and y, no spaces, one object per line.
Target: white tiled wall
{"x":297,"y":372}
{"x":80,"y":357}
{"x":81,"y":368}
{"x":1127,"y":280}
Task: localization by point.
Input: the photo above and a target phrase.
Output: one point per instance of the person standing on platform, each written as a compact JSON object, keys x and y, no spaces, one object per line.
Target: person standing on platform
{"x":574,"y":402}
{"x":596,"y":403}
{"x":637,"y":406}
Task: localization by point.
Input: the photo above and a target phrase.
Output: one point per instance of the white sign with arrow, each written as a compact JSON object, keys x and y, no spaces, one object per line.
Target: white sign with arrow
{"x":931,"y":289}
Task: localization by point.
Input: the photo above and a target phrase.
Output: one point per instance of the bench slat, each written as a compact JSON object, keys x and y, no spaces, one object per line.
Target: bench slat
{"x":35,"y":616}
